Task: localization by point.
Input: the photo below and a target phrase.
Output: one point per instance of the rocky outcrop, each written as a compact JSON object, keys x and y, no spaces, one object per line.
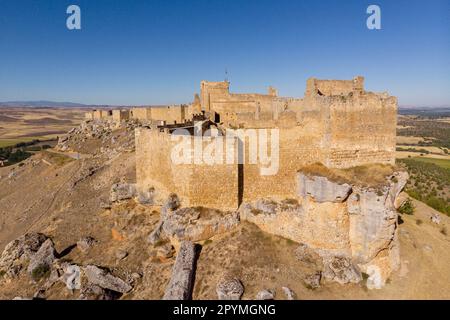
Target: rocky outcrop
{"x":122,"y":191}
{"x":19,"y":251}
{"x":229,"y":288}
{"x":341,"y":270}
{"x":345,"y":230}
{"x":193,"y":224}
{"x":104,"y":279}
{"x":183,"y":273}
{"x":321,"y":189}
{"x":290,"y":295}
{"x":85,"y":244}
{"x":265,"y":295}
{"x":41,"y":262}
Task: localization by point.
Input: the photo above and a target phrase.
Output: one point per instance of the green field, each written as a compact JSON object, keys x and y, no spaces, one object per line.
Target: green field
{"x":443,"y":163}
{"x":11,"y":142}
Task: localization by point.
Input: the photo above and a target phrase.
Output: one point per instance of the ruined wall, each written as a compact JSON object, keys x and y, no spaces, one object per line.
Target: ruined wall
{"x":120,"y":115}
{"x":333,"y":87}
{"x":89,"y":115}
{"x":143,"y":113}
{"x":214,"y":186}
{"x":102,"y":114}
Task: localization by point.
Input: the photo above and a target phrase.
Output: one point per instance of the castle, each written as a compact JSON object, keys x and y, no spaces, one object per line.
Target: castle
{"x":336,"y":123}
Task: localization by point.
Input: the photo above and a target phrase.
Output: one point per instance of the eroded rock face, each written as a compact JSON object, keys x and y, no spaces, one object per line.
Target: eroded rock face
{"x":319,"y":225}
{"x":21,"y":249}
{"x":346,"y":230}
{"x":193,"y":224}
{"x":321,"y":189}
{"x":373,"y":229}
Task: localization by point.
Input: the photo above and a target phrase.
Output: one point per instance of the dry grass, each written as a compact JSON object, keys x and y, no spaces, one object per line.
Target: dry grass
{"x":371,"y":175}
{"x":56,"y":158}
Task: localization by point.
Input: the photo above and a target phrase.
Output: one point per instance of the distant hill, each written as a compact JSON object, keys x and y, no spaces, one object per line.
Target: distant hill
{"x":425,"y":111}
{"x":41,"y":103}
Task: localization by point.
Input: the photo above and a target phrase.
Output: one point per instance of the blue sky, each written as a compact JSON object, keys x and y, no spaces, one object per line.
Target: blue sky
{"x":157,"y":52}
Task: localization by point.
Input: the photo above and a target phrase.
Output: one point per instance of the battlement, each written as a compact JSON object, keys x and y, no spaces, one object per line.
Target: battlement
{"x":334,"y":87}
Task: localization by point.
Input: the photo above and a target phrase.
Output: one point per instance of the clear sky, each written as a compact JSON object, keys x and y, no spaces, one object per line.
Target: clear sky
{"x":157,"y":52}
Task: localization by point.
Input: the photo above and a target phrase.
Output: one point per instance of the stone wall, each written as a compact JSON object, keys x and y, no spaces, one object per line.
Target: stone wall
{"x":214,"y":186}
{"x":120,"y":115}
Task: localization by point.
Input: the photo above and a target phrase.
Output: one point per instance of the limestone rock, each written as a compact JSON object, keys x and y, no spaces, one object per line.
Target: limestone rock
{"x":41,"y":262}
{"x":105,"y":280}
{"x":193,"y":224}
{"x":71,"y":276}
{"x":122,"y":191}
{"x":22,"y":248}
{"x":265,"y":295}
{"x":307,"y":255}
{"x":312,"y":281}
{"x":341,"y":270}
{"x":94,"y":292}
{"x":290,"y":295}
{"x":121,"y":254}
{"x":435,"y":218}
{"x":181,"y":283}
{"x":156,"y":234}
{"x":165,"y":251}
{"x":86,"y":243}
{"x":229,"y":288}
{"x":321,"y":189}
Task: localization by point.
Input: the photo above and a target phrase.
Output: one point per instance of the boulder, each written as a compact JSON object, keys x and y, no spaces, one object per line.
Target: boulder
{"x":183,"y":272}
{"x":229,"y":288}
{"x":94,"y":292}
{"x":307,"y":255}
{"x":265,"y":295}
{"x":122,"y":191}
{"x":341,"y":270}
{"x":22,"y":248}
{"x":196,"y":224}
{"x":41,"y":262}
{"x":435,"y":218}
{"x":86,"y":243}
{"x":322,"y":189}
{"x":105,"y":279}
{"x":290,"y":295}
{"x":312,"y":281}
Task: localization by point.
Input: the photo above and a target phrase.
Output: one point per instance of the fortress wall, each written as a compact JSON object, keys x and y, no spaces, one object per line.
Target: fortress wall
{"x":89,"y":115}
{"x":362,"y":130}
{"x":214,"y":186}
{"x":299,"y":146}
{"x":141,"y":113}
{"x":333,"y":87}
{"x":120,"y":115}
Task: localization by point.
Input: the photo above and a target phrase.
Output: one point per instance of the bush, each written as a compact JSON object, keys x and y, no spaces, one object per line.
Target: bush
{"x":40,"y":272}
{"x":407,"y":208}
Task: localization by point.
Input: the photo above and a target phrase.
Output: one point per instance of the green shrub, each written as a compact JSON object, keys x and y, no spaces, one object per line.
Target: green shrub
{"x":407,"y":208}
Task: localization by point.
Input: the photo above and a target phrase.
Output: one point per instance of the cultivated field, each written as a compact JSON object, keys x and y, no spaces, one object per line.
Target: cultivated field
{"x":21,"y":124}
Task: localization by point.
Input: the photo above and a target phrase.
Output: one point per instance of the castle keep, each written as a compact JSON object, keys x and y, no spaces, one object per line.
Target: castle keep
{"x":336,"y":123}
